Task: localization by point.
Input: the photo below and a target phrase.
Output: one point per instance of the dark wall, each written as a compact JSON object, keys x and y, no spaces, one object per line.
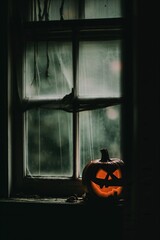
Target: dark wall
{"x":146,"y":120}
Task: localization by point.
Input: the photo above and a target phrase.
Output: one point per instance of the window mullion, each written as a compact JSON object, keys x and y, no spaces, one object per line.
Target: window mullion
{"x":81,"y":9}
{"x":75,"y":45}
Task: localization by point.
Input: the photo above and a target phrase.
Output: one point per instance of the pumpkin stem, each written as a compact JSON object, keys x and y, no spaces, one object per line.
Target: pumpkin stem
{"x":104,"y":155}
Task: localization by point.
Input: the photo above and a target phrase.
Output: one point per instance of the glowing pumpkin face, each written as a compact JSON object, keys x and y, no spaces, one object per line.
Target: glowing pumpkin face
{"x":103,"y":178}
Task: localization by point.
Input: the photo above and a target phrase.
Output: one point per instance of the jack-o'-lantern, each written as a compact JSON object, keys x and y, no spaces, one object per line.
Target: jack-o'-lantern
{"x":103,"y":178}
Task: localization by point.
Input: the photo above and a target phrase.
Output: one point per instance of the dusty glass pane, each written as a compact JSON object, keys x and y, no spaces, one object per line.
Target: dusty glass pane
{"x":50,"y":10}
{"x":100,"y":69}
{"x":99,"y":129}
{"x":53,"y":10}
{"x":49,"y":143}
{"x":102,"y":9}
{"x":48,"y":70}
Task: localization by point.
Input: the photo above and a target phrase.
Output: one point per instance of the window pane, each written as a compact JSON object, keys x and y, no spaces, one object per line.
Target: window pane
{"x":102,"y":8}
{"x":49,"y":143}
{"x":53,"y":10}
{"x":71,"y":9}
{"x":99,"y":129}
{"x":100,"y":69}
{"x":48,"y":69}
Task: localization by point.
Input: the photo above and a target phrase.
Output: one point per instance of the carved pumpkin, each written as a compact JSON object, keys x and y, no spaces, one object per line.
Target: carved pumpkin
{"x":103,"y":178}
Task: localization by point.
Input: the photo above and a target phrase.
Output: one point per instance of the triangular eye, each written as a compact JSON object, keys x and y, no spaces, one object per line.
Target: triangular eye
{"x":101,"y":174}
{"x":117,"y":173}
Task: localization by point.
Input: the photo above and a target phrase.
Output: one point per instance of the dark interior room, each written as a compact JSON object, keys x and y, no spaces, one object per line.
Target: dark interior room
{"x":78,"y":77}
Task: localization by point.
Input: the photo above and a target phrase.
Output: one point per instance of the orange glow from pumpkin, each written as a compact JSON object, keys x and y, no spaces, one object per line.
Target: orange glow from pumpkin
{"x":106,"y":191}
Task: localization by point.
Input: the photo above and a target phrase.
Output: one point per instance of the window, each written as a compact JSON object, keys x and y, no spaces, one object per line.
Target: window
{"x":69,"y":79}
